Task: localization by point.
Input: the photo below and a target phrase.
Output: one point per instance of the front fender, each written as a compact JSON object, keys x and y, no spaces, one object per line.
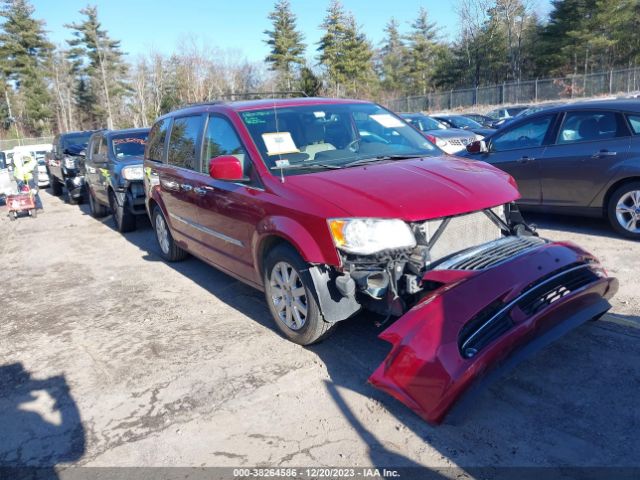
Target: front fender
{"x":314,"y":248}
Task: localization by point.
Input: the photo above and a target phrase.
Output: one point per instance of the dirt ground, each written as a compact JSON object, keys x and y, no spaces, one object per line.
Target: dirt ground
{"x":110,"y":356}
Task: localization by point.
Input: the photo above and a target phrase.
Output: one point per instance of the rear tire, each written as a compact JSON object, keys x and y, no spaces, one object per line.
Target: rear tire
{"x":623,"y":210}
{"x":56,"y":188}
{"x":289,"y":293}
{"x":169,"y":250}
{"x":124,"y":220}
{"x":96,"y":208}
{"x":33,"y":213}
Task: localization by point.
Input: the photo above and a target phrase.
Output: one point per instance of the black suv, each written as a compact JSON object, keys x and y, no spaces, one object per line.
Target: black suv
{"x":114,"y":175}
{"x":65,"y":165}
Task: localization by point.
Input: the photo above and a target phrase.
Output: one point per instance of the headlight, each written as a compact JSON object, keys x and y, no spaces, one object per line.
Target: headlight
{"x":364,"y":236}
{"x":133,"y":173}
{"x":69,"y":162}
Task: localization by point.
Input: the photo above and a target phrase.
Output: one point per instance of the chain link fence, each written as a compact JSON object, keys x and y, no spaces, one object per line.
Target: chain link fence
{"x":614,"y":82}
{"x":9,"y":144}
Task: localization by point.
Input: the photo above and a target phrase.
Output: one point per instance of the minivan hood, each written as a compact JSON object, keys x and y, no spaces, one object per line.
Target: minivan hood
{"x":412,"y":190}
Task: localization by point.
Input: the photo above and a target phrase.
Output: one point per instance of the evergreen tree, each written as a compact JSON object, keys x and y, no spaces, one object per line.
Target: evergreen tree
{"x":331,"y":45}
{"x":345,"y":52}
{"x":100,"y":68}
{"x":24,"y":50}
{"x":287,"y":48}
{"x":421,"y":53}
{"x":309,"y":83}
{"x":391,"y":67}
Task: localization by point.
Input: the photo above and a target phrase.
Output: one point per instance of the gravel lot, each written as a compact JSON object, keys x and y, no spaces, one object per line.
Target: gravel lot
{"x":110,"y":356}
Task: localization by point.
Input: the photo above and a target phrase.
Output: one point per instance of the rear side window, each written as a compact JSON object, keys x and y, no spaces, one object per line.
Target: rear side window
{"x":184,"y":142}
{"x":157,"y":136}
{"x":526,"y":135}
{"x":634,"y":121}
{"x":588,"y":126}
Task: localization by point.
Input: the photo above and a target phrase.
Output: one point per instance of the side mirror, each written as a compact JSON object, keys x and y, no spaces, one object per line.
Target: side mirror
{"x":479,"y":146}
{"x":227,"y":168}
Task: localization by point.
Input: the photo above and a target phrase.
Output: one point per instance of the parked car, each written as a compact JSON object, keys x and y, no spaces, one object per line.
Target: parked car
{"x":464,"y":123}
{"x":333,"y":205}
{"x":578,"y":159}
{"x":483,"y":120}
{"x":451,"y":140}
{"x":524,"y":113}
{"x":501,"y":113}
{"x":65,"y":165}
{"x":114,"y":174}
{"x":39,"y":152}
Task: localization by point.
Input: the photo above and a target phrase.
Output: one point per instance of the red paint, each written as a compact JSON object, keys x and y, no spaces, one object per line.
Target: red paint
{"x":225,"y":167}
{"x":425,"y":369}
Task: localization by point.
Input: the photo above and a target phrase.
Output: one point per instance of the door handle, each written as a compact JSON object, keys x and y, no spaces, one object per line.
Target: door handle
{"x":604,"y":153}
{"x":186,"y":187}
{"x":525,"y":159}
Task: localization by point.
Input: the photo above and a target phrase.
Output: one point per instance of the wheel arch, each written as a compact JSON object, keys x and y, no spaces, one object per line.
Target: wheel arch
{"x":273,"y":231}
{"x":612,"y":188}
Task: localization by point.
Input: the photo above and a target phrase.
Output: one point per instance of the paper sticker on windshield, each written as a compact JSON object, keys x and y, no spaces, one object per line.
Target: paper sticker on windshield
{"x":388,"y":121}
{"x":279,"y":143}
{"x":282,"y":163}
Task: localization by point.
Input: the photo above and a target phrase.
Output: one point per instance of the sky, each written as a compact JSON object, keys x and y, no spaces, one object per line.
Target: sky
{"x":144,"y":25}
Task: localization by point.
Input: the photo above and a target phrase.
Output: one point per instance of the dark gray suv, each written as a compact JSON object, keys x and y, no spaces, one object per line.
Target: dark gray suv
{"x":580,"y":159}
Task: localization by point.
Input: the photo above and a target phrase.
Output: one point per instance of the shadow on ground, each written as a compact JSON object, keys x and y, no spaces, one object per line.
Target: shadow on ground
{"x":586,"y":225}
{"x":553,"y":410}
{"x":40,"y":425}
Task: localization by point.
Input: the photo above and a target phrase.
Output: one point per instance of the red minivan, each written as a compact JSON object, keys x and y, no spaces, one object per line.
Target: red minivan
{"x":334,"y":206}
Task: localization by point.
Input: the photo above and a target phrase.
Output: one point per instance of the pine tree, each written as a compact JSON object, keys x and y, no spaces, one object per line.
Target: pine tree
{"x":391,"y":59}
{"x":345,"y":52}
{"x":331,"y":44}
{"x":100,"y":67}
{"x":24,"y":50}
{"x":287,"y":48}
{"x":356,"y":64}
{"x":421,"y":53}
{"x":309,"y":83}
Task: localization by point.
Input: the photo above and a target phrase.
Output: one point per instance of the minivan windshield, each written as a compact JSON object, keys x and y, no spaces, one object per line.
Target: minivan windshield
{"x":129,"y":145}
{"x":309,"y":137}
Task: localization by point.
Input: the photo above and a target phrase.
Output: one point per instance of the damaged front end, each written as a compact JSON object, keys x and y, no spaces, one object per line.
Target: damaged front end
{"x":475,"y":294}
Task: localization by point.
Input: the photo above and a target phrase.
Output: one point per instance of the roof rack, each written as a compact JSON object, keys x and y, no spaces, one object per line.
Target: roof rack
{"x":247,"y":95}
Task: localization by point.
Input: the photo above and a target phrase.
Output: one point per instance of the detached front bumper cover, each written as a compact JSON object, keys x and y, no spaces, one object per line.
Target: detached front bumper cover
{"x":481,"y":323}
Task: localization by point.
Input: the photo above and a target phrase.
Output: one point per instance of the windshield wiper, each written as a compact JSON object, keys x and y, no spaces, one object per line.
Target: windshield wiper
{"x":305,"y":166}
{"x":381,"y":158}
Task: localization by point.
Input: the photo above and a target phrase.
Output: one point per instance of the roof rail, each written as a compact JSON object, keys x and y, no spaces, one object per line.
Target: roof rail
{"x":247,"y":95}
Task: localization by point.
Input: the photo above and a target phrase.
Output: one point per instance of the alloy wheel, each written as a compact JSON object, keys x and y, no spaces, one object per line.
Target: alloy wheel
{"x":628,"y":211}
{"x":288,"y":295}
{"x":162,"y":233}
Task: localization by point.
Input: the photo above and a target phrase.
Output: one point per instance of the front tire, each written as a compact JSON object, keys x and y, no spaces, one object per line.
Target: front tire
{"x":623,"y":210}
{"x":169,"y":250}
{"x":124,"y":220}
{"x":56,"y":188}
{"x":96,"y":208}
{"x":289,"y":292}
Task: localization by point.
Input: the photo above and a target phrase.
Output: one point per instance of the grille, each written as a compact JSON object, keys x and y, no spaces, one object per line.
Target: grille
{"x":460,"y":233}
{"x":458,"y":141}
{"x":490,"y":254}
{"x":495,"y":320}
{"x":545,"y":292}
